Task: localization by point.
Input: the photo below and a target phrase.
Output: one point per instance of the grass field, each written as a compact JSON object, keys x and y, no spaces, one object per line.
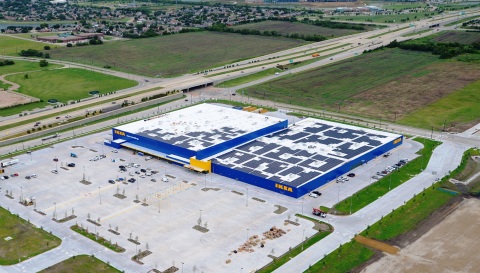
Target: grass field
{"x":284,"y":27}
{"x":249,"y":78}
{"x":393,"y":18}
{"x":343,"y":259}
{"x":321,"y":87}
{"x":27,"y":240}
{"x":12,"y":46}
{"x":461,"y":37}
{"x":458,"y":110}
{"x":25,"y":66}
{"x":372,"y":192}
{"x":81,"y":264}
{"x":68,"y":84}
{"x":173,"y":55}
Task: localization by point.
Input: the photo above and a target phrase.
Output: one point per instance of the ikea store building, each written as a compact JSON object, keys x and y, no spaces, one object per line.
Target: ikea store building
{"x":257,"y":149}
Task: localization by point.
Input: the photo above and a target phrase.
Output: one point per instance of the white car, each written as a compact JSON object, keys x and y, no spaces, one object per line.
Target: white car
{"x":33,"y":175}
{"x":148,"y":158}
{"x":313,"y":195}
{"x":142,"y":176}
{"x":55,"y":171}
{"x":114,"y":151}
{"x":131,"y":174}
{"x":165,"y":179}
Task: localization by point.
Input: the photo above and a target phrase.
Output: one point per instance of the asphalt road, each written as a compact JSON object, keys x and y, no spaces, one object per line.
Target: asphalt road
{"x":446,"y":157}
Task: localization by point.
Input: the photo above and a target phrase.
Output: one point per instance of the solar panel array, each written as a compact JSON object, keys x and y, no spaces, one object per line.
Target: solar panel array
{"x":302,"y":152}
{"x":197,"y":140}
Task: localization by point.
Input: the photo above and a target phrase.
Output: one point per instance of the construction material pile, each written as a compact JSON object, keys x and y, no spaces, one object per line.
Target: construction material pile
{"x":274,"y":233}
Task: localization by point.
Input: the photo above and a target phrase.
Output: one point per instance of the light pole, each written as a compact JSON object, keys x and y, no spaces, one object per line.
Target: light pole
{"x":55,"y":211}
{"x":205,"y":181}
{"x":247,"y":233}
{"x":200,"y":214}
{"x":303,"y":238}
{"x":351,"y":201}
{"x":182,"y":267}
{"x":247,"y":197}
{"x":99,"y":195}
{"x":390,"y":183}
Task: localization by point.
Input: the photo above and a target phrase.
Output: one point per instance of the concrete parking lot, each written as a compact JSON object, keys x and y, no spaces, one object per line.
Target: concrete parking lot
{"x":174,"y":207}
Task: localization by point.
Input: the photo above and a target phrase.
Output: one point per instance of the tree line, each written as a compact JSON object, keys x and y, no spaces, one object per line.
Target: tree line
{"x":272,"y":33}
{"x":444,"y":50}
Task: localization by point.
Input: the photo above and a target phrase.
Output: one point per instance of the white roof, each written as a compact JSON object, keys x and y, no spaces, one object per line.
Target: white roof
{"x":199,"y":120}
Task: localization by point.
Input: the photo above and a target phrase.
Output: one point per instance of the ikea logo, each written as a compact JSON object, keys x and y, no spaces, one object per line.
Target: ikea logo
{"x":283,"y":187}
{"x":397,"y":140}
{"x":117,"y":132}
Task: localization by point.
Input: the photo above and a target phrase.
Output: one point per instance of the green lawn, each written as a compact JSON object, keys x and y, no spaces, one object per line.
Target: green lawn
{"x":13,"y":46}
{"x":321,"y":87}
{"x":27,"y":240}
{"x":343,"y":259}
{"x":92,"y":236}
{"x":249,"y":78}
{"x":24,"y":66}
{"x":174,"y":55}
{"x":81,"y":264}
{"x":68,"y":84}
{"x":381,"y":34}
{"x":417,"y":209}
{"x":372,"y":192}
{"x":461,"y":106}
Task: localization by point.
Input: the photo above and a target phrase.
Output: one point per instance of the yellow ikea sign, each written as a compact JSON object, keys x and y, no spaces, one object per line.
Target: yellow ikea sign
{"x":397,"y":140}
{"x":117,"y":132}
{"x":283,"y":187}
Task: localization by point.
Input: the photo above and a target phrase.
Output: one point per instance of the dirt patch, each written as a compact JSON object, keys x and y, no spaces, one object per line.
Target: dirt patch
{"x":12,"y":98}
{"x":410,"y":93}
{"x":384,"y":247}
{"x":447,"y":241}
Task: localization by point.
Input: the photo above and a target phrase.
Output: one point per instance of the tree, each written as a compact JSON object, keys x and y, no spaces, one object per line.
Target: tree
{"x":43,"y":63}
{"x":47,"y":47}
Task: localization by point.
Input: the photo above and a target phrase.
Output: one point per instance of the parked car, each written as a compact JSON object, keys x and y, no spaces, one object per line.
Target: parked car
{"x":317,"y":193}
{"x":55,"y":171}
{"x":131,"y":180}
{"x":351,"y":175}
{"x":111,"y":181}
{"x":71,"y":165}
{"x":375,"y":177}
{"x":313,"y":195}
{"x":153,"y":180}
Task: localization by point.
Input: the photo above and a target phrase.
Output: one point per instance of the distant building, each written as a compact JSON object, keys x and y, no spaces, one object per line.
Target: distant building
{"x":68,"y":38}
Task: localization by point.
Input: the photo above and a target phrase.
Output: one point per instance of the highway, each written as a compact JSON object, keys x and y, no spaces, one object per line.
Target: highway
{"x":446,"y":157}
{"x":337,"y":49}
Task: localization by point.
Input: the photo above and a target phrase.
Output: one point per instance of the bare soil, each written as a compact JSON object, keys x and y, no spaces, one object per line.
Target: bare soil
{"x":408,"y":94}
{"x":12,"y":98}
{"x":445,"y":242}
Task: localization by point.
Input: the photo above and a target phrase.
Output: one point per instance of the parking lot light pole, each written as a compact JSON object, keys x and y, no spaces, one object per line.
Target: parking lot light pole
{"x":303,"y":238}
{"x":247,"y":233}
{"x":55,"y":211}
{"x":303,"y":200}
{"x":182,"y":267}
{"x":99,"y":195}
{"x":247,"y":197}
{"x":390,"y":183}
